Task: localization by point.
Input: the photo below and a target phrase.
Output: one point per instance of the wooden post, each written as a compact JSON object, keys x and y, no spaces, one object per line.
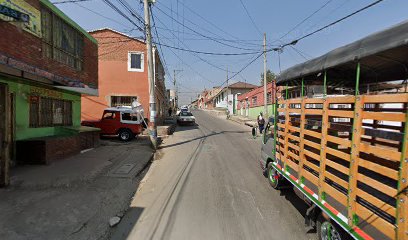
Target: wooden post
{"x":355,"y":146}
{"x":285,"y":152}
{"x":402,"y":198}
{"x":323,"y":143}
{"x":301,"y":135}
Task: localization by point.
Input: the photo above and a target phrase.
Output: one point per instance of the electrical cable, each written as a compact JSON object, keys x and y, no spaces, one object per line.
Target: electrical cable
{"x":326,"y":26}
{"x":249,"y":16}
{"x":237,"y":40}
{"x":202,"y":35}
{"x":307,"y":18}
{"x":117,"y":10}
{"x":70,"y":1}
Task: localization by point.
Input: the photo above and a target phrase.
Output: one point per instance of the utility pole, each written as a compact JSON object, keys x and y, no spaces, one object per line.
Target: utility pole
{"x":175,"y":90}
{"x":152,"y":98}
{"x":265,"y":82}
{"x":227,"y":90}
{"x":175,"y":87}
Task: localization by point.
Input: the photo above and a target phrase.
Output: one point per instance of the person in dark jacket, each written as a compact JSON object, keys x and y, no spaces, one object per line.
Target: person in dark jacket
{"x":261,"y":122}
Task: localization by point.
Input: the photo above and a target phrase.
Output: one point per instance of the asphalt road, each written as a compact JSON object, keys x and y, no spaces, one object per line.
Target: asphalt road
{"x":206,"y":183}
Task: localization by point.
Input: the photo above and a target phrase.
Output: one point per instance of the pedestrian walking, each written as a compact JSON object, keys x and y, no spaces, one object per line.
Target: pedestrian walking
{"x":261,"y":122}
{"x":170,"y":111}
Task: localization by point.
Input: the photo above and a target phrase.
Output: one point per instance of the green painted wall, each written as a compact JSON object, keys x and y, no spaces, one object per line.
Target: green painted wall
{"x":22,"y":90}
{"x":254,"y":111}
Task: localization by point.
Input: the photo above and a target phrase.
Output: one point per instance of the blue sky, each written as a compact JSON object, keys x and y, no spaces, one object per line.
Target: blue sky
{"x":227,"y":22}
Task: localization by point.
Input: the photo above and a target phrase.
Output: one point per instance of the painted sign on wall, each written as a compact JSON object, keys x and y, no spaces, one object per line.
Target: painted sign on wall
{"x":44,"y":92}
{"x":33,"y":26}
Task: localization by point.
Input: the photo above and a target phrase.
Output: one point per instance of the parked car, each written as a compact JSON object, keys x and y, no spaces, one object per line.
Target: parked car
{"x":118,"y":121}
{"x":185,"y":117}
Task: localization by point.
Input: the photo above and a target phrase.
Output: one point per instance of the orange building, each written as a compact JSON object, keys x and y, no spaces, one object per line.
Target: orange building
{"x":122,"y":70}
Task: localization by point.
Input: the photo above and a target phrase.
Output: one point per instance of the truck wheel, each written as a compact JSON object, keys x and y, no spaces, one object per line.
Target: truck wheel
{"x":125,"y":135}
{"x":273,"y":177}
{"x":328,"y":230}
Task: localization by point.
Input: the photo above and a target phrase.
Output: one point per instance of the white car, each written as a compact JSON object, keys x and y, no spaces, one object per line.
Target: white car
{"x":185,"y":118}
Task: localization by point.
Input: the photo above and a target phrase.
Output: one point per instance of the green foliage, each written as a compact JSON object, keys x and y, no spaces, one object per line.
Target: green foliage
{"x":270,"y":76}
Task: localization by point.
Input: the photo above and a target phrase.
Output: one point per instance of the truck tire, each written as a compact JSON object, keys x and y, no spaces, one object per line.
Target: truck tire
{"x":273,"y":178}
{"x":125,"y":135}
{"x":329,"y":230}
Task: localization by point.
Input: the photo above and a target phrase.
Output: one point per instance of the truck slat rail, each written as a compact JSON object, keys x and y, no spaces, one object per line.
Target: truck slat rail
{"x":341,"y":136}
{"x":354,"y":171}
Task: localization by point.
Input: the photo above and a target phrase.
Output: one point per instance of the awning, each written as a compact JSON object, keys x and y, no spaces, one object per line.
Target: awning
{"x":383,"y":57}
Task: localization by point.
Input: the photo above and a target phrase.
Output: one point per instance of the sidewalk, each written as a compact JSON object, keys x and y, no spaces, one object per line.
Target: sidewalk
{"x":243,"y":120}
{"x":73,"y":198}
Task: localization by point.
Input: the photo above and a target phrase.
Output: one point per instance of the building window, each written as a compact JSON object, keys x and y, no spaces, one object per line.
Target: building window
{"x":269,"y":97}
{"x":49,"y":112}
{"x":61,"y":42}
{"x":119,"y":101}
{"x":135,"y":62}
{"x":254,"y":101}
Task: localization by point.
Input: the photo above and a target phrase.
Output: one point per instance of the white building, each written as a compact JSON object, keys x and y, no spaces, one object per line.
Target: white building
{"x":227,"y":98}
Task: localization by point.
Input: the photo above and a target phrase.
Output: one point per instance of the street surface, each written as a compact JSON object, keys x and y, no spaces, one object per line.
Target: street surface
{"x":206,"y":183}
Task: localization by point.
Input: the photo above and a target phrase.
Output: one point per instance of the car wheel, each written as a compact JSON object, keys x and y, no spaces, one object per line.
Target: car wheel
{"x":125,"y":135}
{"x":273,"y":176}
{"x":328,"y":230}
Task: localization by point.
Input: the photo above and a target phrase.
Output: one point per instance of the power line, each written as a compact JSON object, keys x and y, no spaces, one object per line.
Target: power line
{"x":132,"y":11}
{"x":307,"y":18}
{"x":204,"y":60}
{"x":249,"y":16}
{"x":158,"y":40}
{"x":341,"y":19}
{"x":103,"y":16}
{"x":293,"y":42}
{"x":208,"y":31}
{"x":242,"y":69}
{"x":329,"y":14}
{"x":70,"y":1}
{"x":116,"y":9}
{"x":221,"y":30}
{"x":205,"y":36}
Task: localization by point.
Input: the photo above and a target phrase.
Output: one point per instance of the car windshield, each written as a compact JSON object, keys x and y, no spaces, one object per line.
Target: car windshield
{"x":186,"y":114}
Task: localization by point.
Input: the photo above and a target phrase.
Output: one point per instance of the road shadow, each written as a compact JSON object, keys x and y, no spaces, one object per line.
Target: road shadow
{"x":182,"y":128}
{"x":114,"y":140}
{"x":201,"y":137}
{"x":297,"y":202}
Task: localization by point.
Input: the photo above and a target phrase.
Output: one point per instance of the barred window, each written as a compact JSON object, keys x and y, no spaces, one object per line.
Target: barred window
{"x":49,"y":112}
{"x":269,"y":97}
{"x":254,"y":101}
{"x":61,"y":42}
{"x":119,"y":101}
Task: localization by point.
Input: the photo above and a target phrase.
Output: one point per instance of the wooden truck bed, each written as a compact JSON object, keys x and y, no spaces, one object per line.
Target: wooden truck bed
{"x":349,"y":155}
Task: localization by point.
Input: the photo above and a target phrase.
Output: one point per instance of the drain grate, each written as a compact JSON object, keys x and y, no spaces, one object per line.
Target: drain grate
{"x":124,"y":169}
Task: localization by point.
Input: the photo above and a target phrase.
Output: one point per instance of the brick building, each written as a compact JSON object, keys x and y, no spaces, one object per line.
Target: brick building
{"x":46,"y":62}
{"x":251,"y":103}
{"x":123,"y":75}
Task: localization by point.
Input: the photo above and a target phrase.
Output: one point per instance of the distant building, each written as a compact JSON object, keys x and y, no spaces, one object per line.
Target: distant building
{"x":227,"y":97}
{"x":46,"y":62}
{"x":123,"y":75}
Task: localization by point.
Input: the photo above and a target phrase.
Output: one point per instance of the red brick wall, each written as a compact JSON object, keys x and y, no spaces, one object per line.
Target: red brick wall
{"x":258,"y":92}
{"x":114,"y":77}
{"x":26,"y":47}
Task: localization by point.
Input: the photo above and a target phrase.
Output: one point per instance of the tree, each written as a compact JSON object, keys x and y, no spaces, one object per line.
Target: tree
{"x":270,"y":76}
